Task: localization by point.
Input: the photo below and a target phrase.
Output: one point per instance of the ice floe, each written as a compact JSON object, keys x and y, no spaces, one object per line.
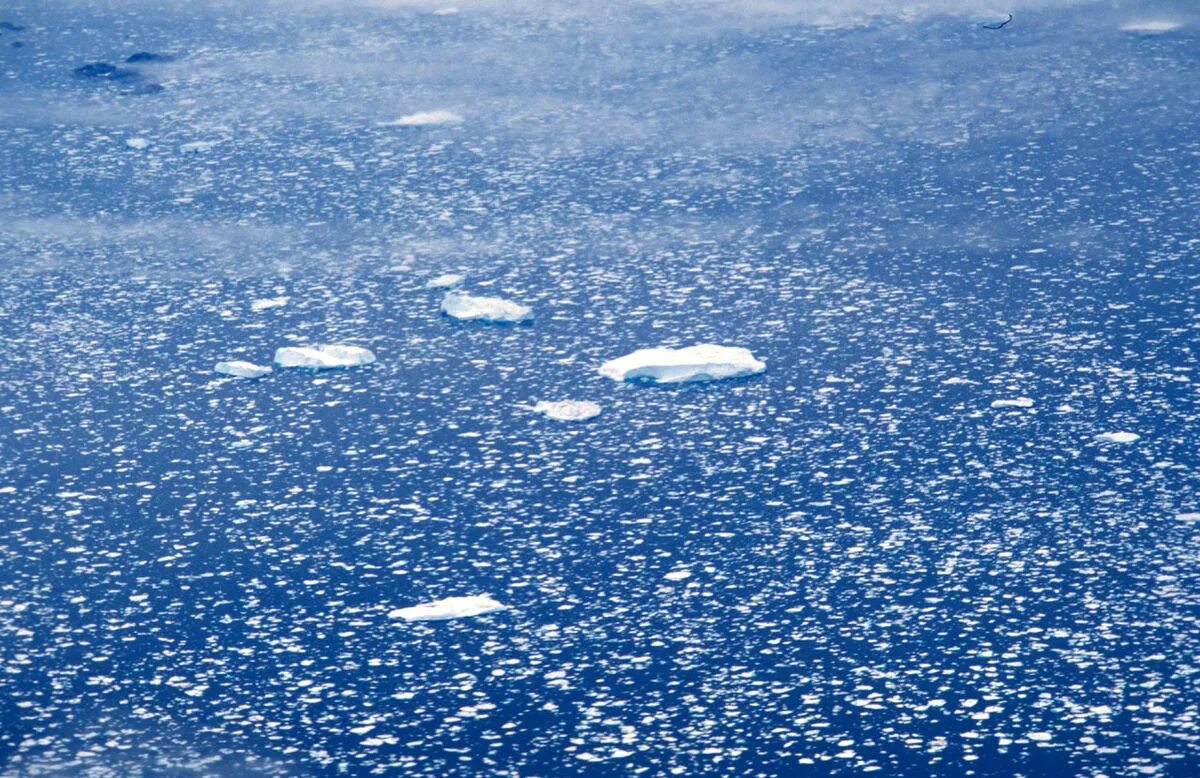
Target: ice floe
{"x":241,"y":369}
{"x":267,"y":303}
{"x":1019,"y":402}
{"x":449,"y":608}
{"x":424,"y":119}
{"x":702,"y":362}
{"x":1151,"y":26}
{"x":469,"y":307}
{"x":323,"y":356}
{"x":568,"y":410}
{"x":1118,"y":437}
{"x":137,"y":143}
{"x":444,"y":281}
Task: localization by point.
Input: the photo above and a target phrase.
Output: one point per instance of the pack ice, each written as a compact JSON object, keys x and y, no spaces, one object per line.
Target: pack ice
{"x":470,"y":307}
{"x":241,"y":369}
{"x":568,"y":410}
{"x":449,"y":608}
{"x":702,"y":362}
{"x":323,"y":356}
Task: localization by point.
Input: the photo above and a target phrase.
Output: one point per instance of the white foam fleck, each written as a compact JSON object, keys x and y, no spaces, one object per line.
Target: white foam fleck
{"x":469,"y":307}
{"x":1118,"y":437}
{"x":702,"y":362}
{"x":449,"y":608}
{"x":568,"y":410}
{"x":241,"y":369}
{"x":424,"y":119}
{"x":323,"y":356}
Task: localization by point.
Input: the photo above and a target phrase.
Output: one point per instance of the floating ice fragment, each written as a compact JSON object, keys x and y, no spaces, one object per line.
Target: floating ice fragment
{"x":1188,"y":516}
{"x":197,"y":146}
{"x":323,"y":356}
{"x":137,"y":143}
{"x":424,"y":119}
{"x":1020,"y":402}
{"x":444,"y":281}
{"x":702,"y":362}
{"x":1040,"y":737}
{"x":568,"y":410}
{"x":449,"y":608}
{"x":469,"y":307}
{"x":241,"y":369}
{"x":1118,"y":437}
{"x":678,"y":575}
{"x":1151,"y":26}
{"x":267,"y":303}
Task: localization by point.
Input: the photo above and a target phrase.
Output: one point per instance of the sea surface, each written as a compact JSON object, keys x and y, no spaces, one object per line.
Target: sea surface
{"x":968,"y":254}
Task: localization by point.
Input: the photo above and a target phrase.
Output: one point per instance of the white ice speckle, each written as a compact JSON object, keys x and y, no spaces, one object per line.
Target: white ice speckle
{"x":469,"y":307}
{"x":241,"y":369}
{"x":568,"y":410}
{"x":323,"y":356}
{"x":1188,"y":516}
{"x":267,"y":303}
{"x":1040,"y":737}
{"x":137,"y":143}
{"x":424,"y":119}
{"x":678,"y":575}
{"x":1118,"y":437}
{"x":1019,"y":402}
{"x":444,"y":281}
{"x":449,"y":608}
{"x":702,"y":362}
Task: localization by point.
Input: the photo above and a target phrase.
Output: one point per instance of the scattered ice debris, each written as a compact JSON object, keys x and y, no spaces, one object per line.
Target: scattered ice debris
{"x":1020,"y":402}
{"x":137,"y":143}
{"x":197,"y":146}
{"x":1151,"y":26}
{"x":678,"y":575}
{"x":424,"y":119}
{"x":449,"y":608}
{"x":241,"y":369}
{"x":568,"y":410}
{"x":1188,"y":516}
{"x":702,"y":362}
{"x":1118,"y":437}
{"x":267,"y":303}
{"x":469,"y":307}
{"x":323,"y":356}
{"x":445,"y":281}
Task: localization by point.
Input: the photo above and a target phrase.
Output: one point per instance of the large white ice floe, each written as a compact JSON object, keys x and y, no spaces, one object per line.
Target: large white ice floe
{"x":449,"y":608}
{"x":424,"y":119}
{"x":470,"y":307}
{"x":568,"y":410}
{"x":241,"y":369}
{"x":702,"y":362}
{"x":323,"y":356}
{"x":1118,"y":437}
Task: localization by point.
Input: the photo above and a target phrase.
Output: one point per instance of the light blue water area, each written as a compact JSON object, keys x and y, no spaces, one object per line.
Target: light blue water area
{"x":868,"y":558}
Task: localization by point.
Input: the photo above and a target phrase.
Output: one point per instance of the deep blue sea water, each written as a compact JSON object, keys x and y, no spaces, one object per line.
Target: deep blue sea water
{"x":850,"y":563}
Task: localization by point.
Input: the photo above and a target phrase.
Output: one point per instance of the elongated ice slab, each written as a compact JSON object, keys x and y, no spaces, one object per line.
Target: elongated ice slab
{"x":1118,"y":437}
{"x":702,"y":362}
{"x":444,"y":281}
{"x":241,"y":369}
{"x":267,"y":303}
{"x":449,"y":608}
{"x":424,"y":119}
{"x":1019,"y":402}
{"x":323,"y":356}
{"x":469,"y":307}
{"x":1151,"y":26}
{"x":568,"y":410}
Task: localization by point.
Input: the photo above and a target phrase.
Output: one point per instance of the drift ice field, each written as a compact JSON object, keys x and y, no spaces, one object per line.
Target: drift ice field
{"x":599,"y":389}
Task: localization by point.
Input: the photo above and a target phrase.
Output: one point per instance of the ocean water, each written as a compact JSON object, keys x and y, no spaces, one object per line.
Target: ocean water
{"x":963,"y":254}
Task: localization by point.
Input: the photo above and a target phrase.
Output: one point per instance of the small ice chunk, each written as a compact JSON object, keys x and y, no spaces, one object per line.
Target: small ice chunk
{"x":445,"y":281}
{"x":678,"y":575}
{"x":449,"y":608}
{"x":197,"y":146}
{"x":568,"y":410}
{"x":1118,"y":437}
{"x":1040,"y":737}
{"x":268,"y":303}
{"x":469,"y":307}
{"x":702,"y":362}
{"x":1151,"y":26}
{"x":1188,"y":516}
{"x":323,"y":356}
{"x":137,"y":143}
{"x":424,"y":119}
{"x":241,"y":369}
{"x":1020,"y":402}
